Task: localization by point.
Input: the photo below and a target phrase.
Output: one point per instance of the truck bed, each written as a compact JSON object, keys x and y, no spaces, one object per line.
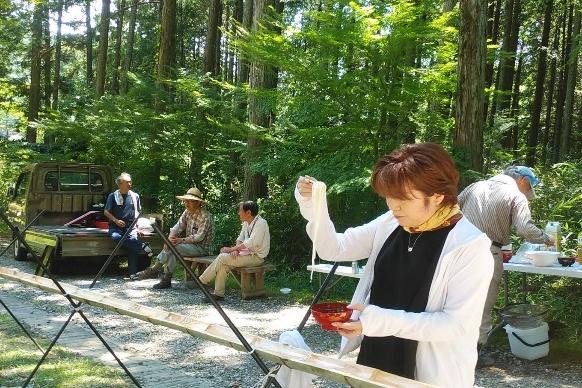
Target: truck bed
{"x":79,"y":242}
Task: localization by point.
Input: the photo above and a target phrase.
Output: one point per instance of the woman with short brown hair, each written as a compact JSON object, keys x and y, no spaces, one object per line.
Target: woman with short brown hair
{"x":418,"y":305}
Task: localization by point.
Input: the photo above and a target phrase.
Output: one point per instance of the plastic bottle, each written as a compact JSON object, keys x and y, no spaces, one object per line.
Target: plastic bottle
{"x":355,"y":268}
{"x":553,"y":229}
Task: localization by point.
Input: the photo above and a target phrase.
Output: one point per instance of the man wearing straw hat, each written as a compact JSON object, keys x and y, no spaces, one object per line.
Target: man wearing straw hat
{"x":198,"y":228}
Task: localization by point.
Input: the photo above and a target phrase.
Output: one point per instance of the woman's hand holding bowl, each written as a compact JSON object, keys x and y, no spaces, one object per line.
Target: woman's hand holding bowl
{"x":350,"y":329}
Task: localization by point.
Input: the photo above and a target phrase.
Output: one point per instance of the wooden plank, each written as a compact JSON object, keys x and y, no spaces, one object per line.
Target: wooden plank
{"x":40,"y":239}
{"x":201,"y":259}
{"x":45,"y":259}
{"x":257,"y":269}
{"x":338,"y":370}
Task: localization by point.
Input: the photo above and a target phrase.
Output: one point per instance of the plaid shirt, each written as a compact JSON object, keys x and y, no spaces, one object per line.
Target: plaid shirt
{"x":199,"y":226}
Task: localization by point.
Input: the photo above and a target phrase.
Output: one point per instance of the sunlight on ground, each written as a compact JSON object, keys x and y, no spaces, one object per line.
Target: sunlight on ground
{"x":210,"y":351}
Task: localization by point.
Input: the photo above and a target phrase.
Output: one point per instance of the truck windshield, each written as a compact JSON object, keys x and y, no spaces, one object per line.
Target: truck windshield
{"x":73,"y":181}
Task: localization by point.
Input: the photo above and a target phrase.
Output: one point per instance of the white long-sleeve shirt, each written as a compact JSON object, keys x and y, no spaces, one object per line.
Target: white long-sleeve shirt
{"x":255,"y":235}
{"x":447,"y":332}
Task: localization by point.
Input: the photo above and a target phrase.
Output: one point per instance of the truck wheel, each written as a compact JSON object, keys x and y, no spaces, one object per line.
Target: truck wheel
{"x":20,"y":252}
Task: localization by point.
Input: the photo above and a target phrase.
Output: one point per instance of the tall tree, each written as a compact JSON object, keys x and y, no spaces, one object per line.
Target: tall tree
{"x":117,"y":55}
{"x":550,"y":96}
{"x":103,"y":47}
{"x":35,"y":68}
{"x":562,"y":81}
{"x":514,"y":110}
{"x":237,"y":16}
{"x":227,"y":25}
{"x":468,"y":132}
{"x":247,"y":23}
{"x":536,"y":111}
{"x":58,"y":52}
{"x":167,"y":55}
{"x":88,"y":44}
{"x":572,"y":66}
{"x":127,"y":62}
{"x":262,"y":77}
{"x":166,"y":65}
{"x":507,"y":61}
{"x":181,"y":36}
{"x":212,"y":46}
{"x":494,"y":15}
{"x":46,"y":56}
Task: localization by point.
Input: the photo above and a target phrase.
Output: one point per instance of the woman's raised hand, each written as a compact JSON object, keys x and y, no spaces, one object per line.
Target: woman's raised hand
{"x":305,"y":185}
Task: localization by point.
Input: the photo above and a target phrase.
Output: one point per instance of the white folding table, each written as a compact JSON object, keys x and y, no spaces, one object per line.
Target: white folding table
{"x":516,"y":264}
{"x":524,"y":266}
{"x":341,"y":270}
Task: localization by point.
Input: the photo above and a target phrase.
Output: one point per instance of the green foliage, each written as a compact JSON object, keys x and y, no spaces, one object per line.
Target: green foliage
{"x":560,"y":199}
{"x":13,"y":157}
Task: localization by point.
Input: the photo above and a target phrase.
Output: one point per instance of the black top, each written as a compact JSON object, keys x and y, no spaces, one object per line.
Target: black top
{"x":402,"y":281}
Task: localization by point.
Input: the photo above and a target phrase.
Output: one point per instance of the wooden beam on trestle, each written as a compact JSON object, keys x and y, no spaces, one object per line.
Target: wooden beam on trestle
{"x":344,"y":372}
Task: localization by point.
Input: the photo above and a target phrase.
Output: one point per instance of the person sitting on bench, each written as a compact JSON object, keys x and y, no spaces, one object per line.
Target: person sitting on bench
{"x":250,"y":250}
{"x":198,"y":226}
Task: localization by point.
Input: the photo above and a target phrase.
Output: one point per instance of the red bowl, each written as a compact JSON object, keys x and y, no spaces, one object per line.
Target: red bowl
{"x":327,"y":313}
{"x":101,"y":224}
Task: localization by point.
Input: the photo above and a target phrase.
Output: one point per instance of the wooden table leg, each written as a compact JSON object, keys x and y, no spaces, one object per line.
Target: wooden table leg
{"x":46,"y":259}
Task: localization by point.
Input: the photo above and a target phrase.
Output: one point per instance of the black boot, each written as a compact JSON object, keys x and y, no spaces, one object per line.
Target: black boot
{"x":166,"y":282}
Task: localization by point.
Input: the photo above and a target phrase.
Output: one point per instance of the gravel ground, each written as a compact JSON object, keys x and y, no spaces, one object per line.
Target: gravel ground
{"x":266,"y":317}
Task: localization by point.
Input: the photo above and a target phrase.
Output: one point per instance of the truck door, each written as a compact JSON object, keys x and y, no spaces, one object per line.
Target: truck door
{"x":17,"y":205}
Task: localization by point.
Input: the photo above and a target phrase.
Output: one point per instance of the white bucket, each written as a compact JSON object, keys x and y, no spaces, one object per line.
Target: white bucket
{"x":529,"y":344}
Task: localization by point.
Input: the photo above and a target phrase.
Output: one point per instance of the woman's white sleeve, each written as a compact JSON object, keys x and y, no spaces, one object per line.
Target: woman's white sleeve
{"x":354,"y":244}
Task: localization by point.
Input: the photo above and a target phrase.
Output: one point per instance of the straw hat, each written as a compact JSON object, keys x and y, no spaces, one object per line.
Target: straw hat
{"x":192,"y":194}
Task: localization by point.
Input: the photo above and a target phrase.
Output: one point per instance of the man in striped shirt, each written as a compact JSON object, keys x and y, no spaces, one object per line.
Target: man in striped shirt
{"x":495,"y":206}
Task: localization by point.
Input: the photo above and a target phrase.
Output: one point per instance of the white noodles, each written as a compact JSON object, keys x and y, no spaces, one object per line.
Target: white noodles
{"x":318,"y":198}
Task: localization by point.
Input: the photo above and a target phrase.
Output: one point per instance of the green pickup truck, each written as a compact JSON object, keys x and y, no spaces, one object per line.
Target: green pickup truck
{"x":71,"y":197}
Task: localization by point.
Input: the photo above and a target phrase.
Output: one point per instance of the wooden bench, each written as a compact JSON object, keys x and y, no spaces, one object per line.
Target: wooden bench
{"x":251,"y":280}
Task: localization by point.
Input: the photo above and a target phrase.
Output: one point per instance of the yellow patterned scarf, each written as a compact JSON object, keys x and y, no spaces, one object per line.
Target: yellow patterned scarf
{"x":443,"y":217}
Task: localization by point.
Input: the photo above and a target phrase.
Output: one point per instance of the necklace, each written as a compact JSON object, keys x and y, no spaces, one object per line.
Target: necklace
{"x":410,"y":248}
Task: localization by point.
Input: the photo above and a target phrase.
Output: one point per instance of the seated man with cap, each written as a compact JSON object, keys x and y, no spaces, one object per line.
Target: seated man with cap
{"x":197,"y":227}
{"x":495,"y":206}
